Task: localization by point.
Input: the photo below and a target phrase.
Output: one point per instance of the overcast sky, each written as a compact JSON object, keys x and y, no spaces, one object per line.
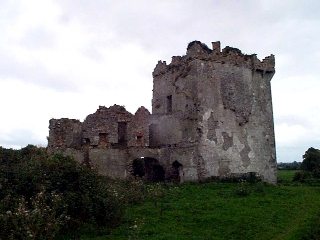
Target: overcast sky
{"x":65,"y":58}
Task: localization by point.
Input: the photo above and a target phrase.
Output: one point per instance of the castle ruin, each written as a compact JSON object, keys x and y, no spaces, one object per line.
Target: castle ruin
{"x":211,"y":117}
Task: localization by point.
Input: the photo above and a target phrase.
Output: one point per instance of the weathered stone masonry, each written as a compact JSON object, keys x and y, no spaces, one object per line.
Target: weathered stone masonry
{"x":211,"y":116}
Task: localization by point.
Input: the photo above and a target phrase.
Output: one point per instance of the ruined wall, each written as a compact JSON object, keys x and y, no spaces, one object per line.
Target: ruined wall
{"x":138,"y":128}
{"x":109,"y":139}
{"x":211,"y":116}
{"x":106,"y":127}
{"x":64,"y":133}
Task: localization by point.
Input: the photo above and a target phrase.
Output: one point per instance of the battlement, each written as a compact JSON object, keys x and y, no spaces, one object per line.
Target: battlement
{"x":228,"y":55}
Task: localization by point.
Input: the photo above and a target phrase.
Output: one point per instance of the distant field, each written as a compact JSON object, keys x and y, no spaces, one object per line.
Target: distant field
{"x":286,"y":175}
{"x":226,"y":211}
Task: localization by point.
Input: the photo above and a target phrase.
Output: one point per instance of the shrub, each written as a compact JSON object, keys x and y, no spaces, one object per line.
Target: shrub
{"x":311,"y":160}
{"x":37,"y":219}
{"x":316,"y":173}
{"x":203,"y":45}
{"x":85,"y":195}
{"x":301,"y":176}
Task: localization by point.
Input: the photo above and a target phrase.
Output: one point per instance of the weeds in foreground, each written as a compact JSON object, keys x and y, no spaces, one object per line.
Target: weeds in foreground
{"x":38,"y":219}
{"x":135,"y":229}
{"x":242,"y":189}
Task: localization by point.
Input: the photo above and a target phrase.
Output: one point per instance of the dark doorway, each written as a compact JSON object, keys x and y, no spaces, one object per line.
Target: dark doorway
{"x":176,"y":170}
{"x":122,"y":133}
{"x":138,"y":169}
{"x":149,"y":169}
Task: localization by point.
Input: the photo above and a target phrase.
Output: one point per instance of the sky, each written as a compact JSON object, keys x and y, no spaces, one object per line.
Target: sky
{"x":64,"y":58}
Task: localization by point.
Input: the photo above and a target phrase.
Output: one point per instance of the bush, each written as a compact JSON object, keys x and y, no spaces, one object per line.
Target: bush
{"x":310,"y":168}
{"x":301,"y":176}
{"x":311,"y":160}
{"x":37,"y":219}
{"x":85,"y":195}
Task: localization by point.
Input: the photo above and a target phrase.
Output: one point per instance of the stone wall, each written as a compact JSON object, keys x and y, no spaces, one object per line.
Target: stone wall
{"x":138,"y":130}
{"x":211,"y":116}
{"x":64,"y":133}
{"x":102,"y":127}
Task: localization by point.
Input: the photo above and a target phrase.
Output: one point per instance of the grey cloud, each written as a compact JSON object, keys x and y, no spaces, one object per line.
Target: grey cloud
{"x":308,"y":9}
{"x":150,"y":25}
{"x":167,"y":26}
{"x":143,"y":24}
{"x":11,"y":68}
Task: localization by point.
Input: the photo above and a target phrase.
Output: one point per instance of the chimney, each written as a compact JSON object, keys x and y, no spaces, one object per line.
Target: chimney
{"x":216,"y":49}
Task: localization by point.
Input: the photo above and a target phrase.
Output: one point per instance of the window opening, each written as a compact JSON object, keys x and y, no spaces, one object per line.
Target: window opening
{"x":86,"y":141}
{"x":139,"y":136}
{"x":103,"y":138}
{"x":122,"y":133}
{"x":153,"y":135}
{"x":169,"y":104}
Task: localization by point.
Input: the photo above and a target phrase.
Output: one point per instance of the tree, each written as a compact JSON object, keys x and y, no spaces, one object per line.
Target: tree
{"x":311,"y":160}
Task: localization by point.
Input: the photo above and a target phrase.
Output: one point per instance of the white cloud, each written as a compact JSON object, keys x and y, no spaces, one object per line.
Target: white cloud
{"x":290,"y":135}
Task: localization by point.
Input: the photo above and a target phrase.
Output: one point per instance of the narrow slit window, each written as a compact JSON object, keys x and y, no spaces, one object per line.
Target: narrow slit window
{"x":169,"y":104}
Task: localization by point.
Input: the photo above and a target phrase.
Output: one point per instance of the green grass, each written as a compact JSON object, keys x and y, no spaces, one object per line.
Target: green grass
{"x":225,"y":211}
{"x":286,"y":175}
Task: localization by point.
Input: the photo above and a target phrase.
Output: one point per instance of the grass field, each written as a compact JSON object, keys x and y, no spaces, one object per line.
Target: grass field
{"x":286,"y":175}
{"x":225,"y":211}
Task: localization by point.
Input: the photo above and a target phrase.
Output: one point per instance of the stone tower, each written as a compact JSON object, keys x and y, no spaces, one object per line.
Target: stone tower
{"x":218,"y":105}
